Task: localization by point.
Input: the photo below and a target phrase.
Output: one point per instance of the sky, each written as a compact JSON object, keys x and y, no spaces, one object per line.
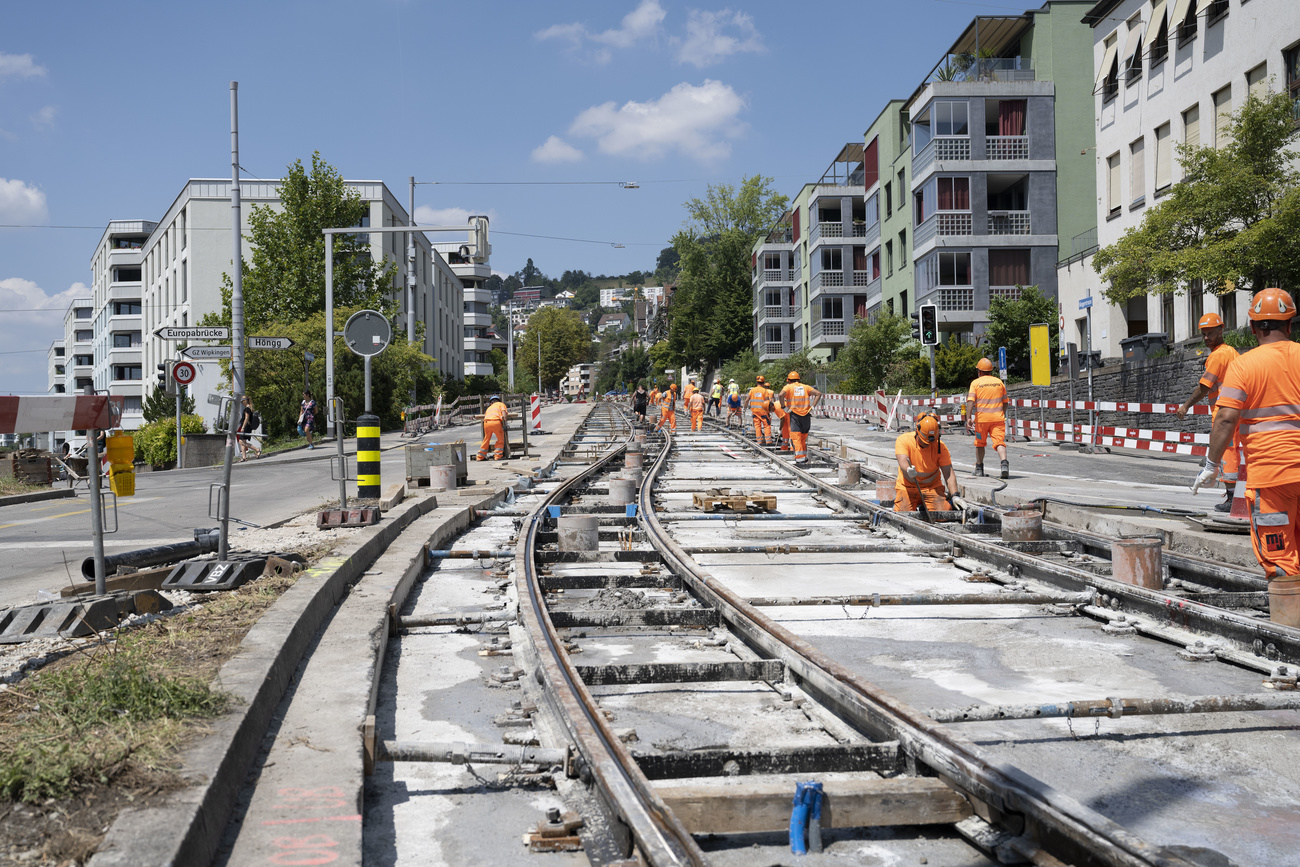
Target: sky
{"x":529,"y":112}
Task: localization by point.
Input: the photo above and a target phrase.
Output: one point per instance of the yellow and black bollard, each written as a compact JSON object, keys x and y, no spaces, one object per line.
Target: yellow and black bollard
{"x":368,"y":457}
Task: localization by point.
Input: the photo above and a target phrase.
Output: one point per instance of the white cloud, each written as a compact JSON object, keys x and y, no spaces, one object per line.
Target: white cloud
{"x":19,"y":66}
{"x":557,"y":150}
{"x":34,"y":304}
{"x":696,"y":121}
{"x":639,"y":25}
{"x":427,"y":216}
{"x":20,"y":203}
{"x":708,"y":40}
{"x":44,"y":119}
{"x":30,"y":319}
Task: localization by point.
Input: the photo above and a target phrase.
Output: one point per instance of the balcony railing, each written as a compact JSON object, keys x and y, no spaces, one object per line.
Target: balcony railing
{"x":1008,"y":147}
{"x":776,"y":350}
{"x":859,"y":230}
{"x":956,"y":298}
{"x":941,"y":149}
{"x":825,"y":280}
{"x":863,"y":278}
{"x":825,"y":328}
{"x":1006,"y":293}
{"x":778,"y":312}
{"x":779,"y":275}
{"x":825,"y":230}
{"x":943,"y":224}
{"x":1009,"y":223}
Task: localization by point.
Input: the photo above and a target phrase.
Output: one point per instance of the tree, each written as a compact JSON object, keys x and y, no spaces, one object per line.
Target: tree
{"x":285,"y":279}
{"x":875,"y":348}
{"x":586,"y":296}
{"x":776,"y":371}
{"x":159,"y":405}
{"x":566,"y":341}
{"x":1009,"y":323}
{"x":751,"y":209}
{"x":529,"y":274}
{"x":1230,"y":223}
{"x":667,"y":265}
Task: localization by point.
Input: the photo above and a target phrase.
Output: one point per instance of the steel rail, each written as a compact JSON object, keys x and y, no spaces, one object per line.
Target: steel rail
{"x":624,"y":789}
{"x":1006,"y":797}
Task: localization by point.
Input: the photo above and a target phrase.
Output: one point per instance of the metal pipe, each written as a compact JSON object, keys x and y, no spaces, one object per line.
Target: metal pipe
{"x":98,"y":567}
{"x":155,"y":556}
{"x":470,"y":754}
{"x":236,"y":324}
{"x":1116,"y":708}
{"x":471,"y":554}
{"x":454,"y":619}
{"x":875,"y":600}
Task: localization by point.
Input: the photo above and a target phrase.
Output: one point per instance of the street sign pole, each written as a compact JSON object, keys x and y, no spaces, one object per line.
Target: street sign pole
{"x":237,"y":325}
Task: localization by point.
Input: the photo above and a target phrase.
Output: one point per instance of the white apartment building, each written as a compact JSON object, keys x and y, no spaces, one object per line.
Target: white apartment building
{"x":79,"y":343}
{"x":469,"y":261}
{"x":55,"y":367}
{"x":1169,"y":72}
{"x":577,"y":382}
{"x":611,"y":297}
{"x":116,"y":283}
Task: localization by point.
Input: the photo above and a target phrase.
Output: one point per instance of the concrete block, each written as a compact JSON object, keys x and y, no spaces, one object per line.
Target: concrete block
{"x":392,"y":496}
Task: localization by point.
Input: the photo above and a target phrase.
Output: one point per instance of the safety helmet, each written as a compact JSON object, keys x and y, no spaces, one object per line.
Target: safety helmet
{"x":927,"y":427}
{"x":792,"y":376}
{"x":985,"y":365}
{"x":494,"y":398}
{"x":673,"y":387}
{"x":729,"y":381}
{"x":1210,"y":320}
{"x":1272,"y":303}
{"x":760,"y":380}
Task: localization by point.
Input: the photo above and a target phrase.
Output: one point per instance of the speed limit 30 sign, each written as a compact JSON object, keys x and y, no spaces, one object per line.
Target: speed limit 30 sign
{"x":183,"y":372}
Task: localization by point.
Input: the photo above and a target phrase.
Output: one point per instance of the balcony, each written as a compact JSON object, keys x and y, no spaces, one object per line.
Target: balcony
{"x":825,"y":230}
{"x":1009,"y":223}
{"x":778,"y":275}
{"x":774,"y":350}
{"x":478,"y":368}
{"x":863,"y":278}
{"x":954,"y":298}
{"x":826,"y":280}
{"x":829,"y":330}
{"x":777,"y":313}
{"x":478,"y":320}
{"x":944,"y":224}
{"x":941,"y":149}
{"x":1008,"y":147}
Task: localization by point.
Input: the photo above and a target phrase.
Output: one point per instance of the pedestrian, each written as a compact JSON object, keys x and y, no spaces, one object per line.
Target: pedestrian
{"x":924,"y":467}
{"x":307,"y":417}
{"x":668,"y":409}
{"x":733,"y":409}
{"x":639,"y":401}
{"x":1259,"y":402}
{"x":249,"y":422}
{"x":798,"y":400}
{"x":1217,"y":363}
{"x":494,"y":427}
{"x":697,"y":406}
{"x":986,"y":415}
{"x":715,"y":398}
{"x":760,"y":408}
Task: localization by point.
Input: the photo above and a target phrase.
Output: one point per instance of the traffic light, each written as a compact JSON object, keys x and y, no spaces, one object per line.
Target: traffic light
{"x":916,"y":326}
{"x":165,"y":377}
{"x":929,"y":325}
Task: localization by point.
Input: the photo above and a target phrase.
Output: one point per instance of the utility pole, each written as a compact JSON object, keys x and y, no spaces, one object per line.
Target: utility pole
{"x":510,"y":342}
{"x":410,"y":275}
{"x":236,"y":323}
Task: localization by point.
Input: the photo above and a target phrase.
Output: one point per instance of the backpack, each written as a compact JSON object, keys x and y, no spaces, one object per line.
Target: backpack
{"x":254,"y":421}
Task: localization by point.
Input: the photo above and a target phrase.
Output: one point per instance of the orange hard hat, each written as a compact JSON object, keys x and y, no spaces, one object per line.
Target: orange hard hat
{"x":1272,"y":303}
{"x":759,"y":379}
{"x":1210,"y":320}
{"x":673,"y":386}
{"x":927,"y":427}
{"x":985,"y":365}
{"x":792,"y":376}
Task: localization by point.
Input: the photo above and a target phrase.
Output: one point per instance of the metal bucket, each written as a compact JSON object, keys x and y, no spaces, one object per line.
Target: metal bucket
{"x":885,"y":490}
{"x":1284,"y":600}
{"x":1138,"y":562}
{"x":443,"y":477}
{"x":622,"y":491}
{"x":1024,"y":526}
{"x":579,"y":532}
{"x":849,"y":473}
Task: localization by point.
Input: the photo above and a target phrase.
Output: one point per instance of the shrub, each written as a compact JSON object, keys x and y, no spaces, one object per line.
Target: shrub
{"x":155,"y":443}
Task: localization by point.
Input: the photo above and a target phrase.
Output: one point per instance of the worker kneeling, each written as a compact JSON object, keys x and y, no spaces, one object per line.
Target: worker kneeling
{"x":922,"y":461}
{"x":494,"y":426}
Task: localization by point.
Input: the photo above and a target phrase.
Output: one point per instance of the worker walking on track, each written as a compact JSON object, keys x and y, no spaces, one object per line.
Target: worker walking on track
{"x":986,"y":416}
{"x":798,"y":401}
{"x":1259,"y":401}
{"x":1217,"y":363}
{"x":654,"y":399}
{"x":924,"y":468}
{"x":697,"y":405}
{"x":689,"y":390}
{"x":760,"y":407}
{"x":494,"y":426}
{"x":668,"y":409}
{"x":715,"y":398}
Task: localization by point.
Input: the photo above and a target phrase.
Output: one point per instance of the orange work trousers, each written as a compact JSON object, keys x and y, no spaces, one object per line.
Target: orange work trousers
{"x":1275,"y":527}
{"x":493,"y":429}
{"x":785,"y":433}
{"x":762,"y":428}
{"x":697,"y":420}
{"x":667,"y":419}
{"x":906,"y":498}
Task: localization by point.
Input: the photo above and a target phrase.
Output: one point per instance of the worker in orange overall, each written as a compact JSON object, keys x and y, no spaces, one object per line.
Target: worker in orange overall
{"x":654,"y":399}
{"x":668,"y":409}
{"x":1259,"y":402}
{"x":1217,"y":363}
{"x":697,"y":404}
{"x":688,"y":390}
{"x":986,"y":416}
{"x":494,"y":426}
{"x":784,"y":417}
{"x":798,"y":400}
{"x":760,"y":407}
{"x":924,"y":467}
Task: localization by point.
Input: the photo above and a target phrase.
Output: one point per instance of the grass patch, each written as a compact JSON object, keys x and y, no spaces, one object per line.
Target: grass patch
{"x":10,"y":486}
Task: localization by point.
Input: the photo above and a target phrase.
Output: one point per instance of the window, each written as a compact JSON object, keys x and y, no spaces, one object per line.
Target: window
{"x":1192,"y":127}
{"x":1108,"y":78}
{"x":1195,"y":303}
{"x":889,"y":200}
{"x":1137,"y":172}
{"x":1217,"y":12}
{"x":1223,"y":117}
{"x":185,"y":280}
{"x":771,"y":261}
{"x":950,"y":119}
{"x":126,"y":308}
{"x":122,"y":340}
{"x":902,"y":250}
{"x":943,"y":269}
{"x":84,"y":312}
{"x":180,"y":228}
{"x":889,"y":258}
{"x":84,"y":336}
{"x":1164,"y":156}
{"x":1167,"y":317}
{"x":83,"y":360}
{"x":954,"y":194}
{"x":126,"y":275}
{"x":1008,"y":267}
{"x":58,"y":369}
{"x":832,"y":259}
{"x":1257,"y":82}
{"x":131,"y":403}
{"x":127,"y":371}
{"x":902,"y":184}
{"x":1228,"y":310}
{"x":773,"y":334}
{"x":1187,"y":27}
{"x":1133,"y":51}
{"x":832,"y":308}
{"x":772,"y":298}
{"x":59,"y":352}
{"x":1159,"y":43}
{"x":1292,"y":58}
{"x":1113,"y":195}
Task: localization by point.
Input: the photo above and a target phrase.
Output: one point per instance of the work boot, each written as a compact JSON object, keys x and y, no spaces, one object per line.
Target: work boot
{"x":1006,"y":469}
{"x":1225,"y":506}
{"x":979,"y":469}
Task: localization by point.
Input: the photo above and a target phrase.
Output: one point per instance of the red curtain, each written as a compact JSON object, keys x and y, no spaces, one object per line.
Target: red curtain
{"x":871,"y":163}
{"x":860,"y":306}
{"x":859,"y":258}
{"x":875,"y":265}
{"x":945,"y":194}
{"x":954,"y":194}
{"x":796,"y":225}
{"x":1011,"y":117}
{"x":1008,"y":267}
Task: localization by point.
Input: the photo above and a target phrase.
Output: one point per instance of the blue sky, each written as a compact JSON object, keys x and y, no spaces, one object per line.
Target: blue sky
{"x":106,"y":109}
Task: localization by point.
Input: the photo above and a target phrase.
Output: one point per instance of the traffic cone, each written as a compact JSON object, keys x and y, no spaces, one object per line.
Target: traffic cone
{"x":1240,"y":506}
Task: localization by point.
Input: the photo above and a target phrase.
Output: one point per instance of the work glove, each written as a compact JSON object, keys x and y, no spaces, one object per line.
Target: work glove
{"x":910,"y":474}
{"x":1209,"y":473}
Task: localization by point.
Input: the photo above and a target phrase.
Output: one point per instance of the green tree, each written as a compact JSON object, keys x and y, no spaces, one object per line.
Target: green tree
{"x":285,"y":279}
{"x":667,"y":265}
{"x":777,"y":370}
{"x":1009,"y":323}
{"x":954,"y":365}
{"x":566,"y":341}
{"x":875,"y":348}
{"x":159,"y":405}
{"x":586,"y":296}
{"x":1230,"y":223}
{"x":742,"y":367}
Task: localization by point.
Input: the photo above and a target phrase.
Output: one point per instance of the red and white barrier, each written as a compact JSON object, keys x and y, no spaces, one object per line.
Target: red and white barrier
{"x":537,"y":413}
{"x":1112,"y":406}
{"x":39,"y":413}
{"x":1169,"y":442}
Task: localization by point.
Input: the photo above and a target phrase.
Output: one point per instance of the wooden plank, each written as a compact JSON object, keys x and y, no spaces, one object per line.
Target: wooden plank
{"x":736,"y":805}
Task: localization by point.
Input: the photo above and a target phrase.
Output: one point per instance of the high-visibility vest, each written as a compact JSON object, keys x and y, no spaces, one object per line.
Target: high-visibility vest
{"x":717,"y":391}
{"x":759,"y":402}
{"x":796,"y":398}
{"x":496,"y":412}
{"x":668,"y":401}
{"x":988,"y":396}
{"x":1216,"y":368}
{"x":696,"y":402}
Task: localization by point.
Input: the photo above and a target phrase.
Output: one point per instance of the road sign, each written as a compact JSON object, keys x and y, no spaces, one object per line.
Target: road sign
{"x":269,"y":343}
{"x":1085,"y":302}
{"x":367,"y":332}
{"x":1002,"y":362}
{"x":215,"y":399}
{"x":183,"y":372}
{"x":1040,"y":369}
{"x":207,"y":353}
{"x":194,"y":332}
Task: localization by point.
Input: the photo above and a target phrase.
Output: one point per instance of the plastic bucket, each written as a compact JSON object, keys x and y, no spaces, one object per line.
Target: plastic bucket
{"x":1023,"y":526}
{"x":1138,"y":562}
{"x":120,"y":450}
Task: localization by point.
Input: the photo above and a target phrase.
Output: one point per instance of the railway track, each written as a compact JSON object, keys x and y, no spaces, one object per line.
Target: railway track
{"x":658,"y":681}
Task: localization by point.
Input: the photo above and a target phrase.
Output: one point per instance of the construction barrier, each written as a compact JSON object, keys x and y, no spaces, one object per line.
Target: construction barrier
{"x":536,"y":408}
{"x":38,"y":413}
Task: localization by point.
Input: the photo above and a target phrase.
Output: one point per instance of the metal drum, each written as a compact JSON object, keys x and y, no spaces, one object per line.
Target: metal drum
{"x":1138,"y":562}
{"x":1023,"y":526}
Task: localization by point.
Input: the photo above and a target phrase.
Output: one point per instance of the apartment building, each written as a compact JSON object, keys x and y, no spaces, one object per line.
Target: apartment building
{"x":1170,"y":72}
{"x":577,"y":382}
{"x":79,"y":343}
{"x":55,"y":365}
{"x":469,"y":261}
{"x":116,"y":295}
{"x":888,"y":161}
{"x":998,"y":177}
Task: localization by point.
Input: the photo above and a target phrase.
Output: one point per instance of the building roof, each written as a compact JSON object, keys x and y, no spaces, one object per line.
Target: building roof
{"x":613,"y":317}
{"x":1100,"y":12}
